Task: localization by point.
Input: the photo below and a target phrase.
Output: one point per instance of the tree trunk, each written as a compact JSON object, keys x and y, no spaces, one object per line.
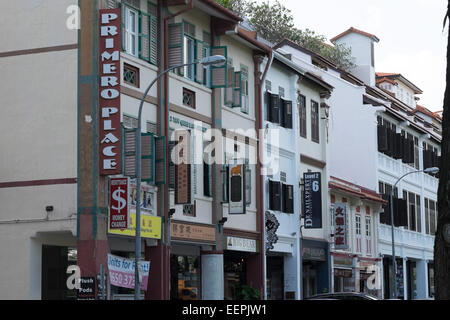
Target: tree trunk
{"x":442,"y":240}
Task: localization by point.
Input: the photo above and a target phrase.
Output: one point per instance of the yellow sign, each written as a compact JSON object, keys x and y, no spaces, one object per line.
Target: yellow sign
{"x":150,"y":227}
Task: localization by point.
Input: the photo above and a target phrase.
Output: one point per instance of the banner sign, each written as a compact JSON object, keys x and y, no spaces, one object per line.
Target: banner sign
{"x":340,"y":225}
{"x":312,"y":204}
{"x":237,"y":201}
{"x":122,"y":272}
{"x":119,"y":203}
{"x":150,"y":227}
{"x":109,"y":95}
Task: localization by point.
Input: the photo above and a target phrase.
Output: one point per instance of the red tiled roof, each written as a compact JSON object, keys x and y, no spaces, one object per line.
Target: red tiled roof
{"x":386,"y":74}
{"x":366,"y":34}
{"x":360,"y":192}
{"x":380,"y":80}
{"x":426,"y":111}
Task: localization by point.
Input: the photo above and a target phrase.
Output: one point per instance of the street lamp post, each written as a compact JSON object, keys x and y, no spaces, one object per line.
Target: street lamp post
{"x":394,"y":264}
{"x":211,"y":60}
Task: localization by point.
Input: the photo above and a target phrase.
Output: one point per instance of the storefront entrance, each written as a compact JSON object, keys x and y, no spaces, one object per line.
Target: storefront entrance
{"x":55,"y":260}
{"x":185,"y":278}
{"x":275,"y":278}
{"x":235,"y":274}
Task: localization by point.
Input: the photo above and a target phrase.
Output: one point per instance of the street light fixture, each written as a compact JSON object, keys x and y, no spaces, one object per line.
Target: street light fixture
{"x":216,"y":60}
{"x":394,"y":264}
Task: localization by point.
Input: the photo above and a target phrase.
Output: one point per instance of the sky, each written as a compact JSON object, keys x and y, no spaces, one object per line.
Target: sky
{"x":412,"y":39}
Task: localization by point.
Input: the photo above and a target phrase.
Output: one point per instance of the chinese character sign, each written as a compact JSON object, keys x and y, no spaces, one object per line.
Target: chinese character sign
{"x":340,"y":226}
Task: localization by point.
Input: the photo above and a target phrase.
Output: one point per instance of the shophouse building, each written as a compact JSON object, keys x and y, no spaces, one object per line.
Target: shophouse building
{"x":289,"y":90}
{"x":369,"y":103}
{"x":198,"y":246}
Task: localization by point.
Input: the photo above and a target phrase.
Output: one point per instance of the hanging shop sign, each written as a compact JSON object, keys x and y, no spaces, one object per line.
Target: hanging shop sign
{"x":109,"y":92}
{"x":119,"y":204}
{"x":312,"y":206}
{"x":190,"y":232}
{"x":237,"y":201}
{"x":122,"y":272}
{"x":241,"y":244}
{"x":340,"y":225}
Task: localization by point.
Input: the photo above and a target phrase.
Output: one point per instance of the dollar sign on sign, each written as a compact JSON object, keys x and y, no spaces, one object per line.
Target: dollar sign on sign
{"x":121,"y":201}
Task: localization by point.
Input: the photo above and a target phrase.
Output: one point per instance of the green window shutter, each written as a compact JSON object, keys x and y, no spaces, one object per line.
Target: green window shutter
{"x":144,"y":36}
{"x":122,"y":24}
{"x":129,"y":152}
{"x":153,"y":40}
{"x":160,"y":160}
{"x":244,"y":92}
{"x":219,"y":74}
{"x":147,"y":158}
{"x":237,"y":89}
{"x":228,"y":96}
{"x":176,"y":45}
{"x":199,"y":66}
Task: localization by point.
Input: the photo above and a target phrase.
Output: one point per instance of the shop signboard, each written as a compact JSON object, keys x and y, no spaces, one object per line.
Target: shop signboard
{"x":150,"y":227}
{"x":109,"y":92}
{"x":237,"y":201}
{"x":241,"y":244}
{"x":312,"y":205}
{"x":119,"y":204}
{"x":122,"y":272}
{"x":87,"y":289}
{"x":340,"y":226}
{"x":191,"y":232}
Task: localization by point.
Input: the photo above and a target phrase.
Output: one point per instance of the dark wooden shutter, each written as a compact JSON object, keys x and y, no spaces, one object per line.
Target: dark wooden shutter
{"x":288,"y":198}
{"x":274,"y":108}
{"x":207,"y":180}
{"x":274,"y":195}
{"x":385,"y":214}
{"x":408,"y":151}
{"x":287,"y":114}
{"x":401,"y":213}
{"x":225,"y":186}
{"x":382,"y":138}
{"x":398,"y":150}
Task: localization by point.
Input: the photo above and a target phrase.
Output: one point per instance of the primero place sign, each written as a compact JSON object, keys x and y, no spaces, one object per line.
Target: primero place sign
{"x":109,"y":95}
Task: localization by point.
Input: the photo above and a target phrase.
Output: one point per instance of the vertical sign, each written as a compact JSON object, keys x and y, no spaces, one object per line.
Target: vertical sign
{"x":340,"y":226}
{"x":312,"y":206}
{"x":119,"y":212}
{"x":109,"y":95}
{"x":237,"y":202}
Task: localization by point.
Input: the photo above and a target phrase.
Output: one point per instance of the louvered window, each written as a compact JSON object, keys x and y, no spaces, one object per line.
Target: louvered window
{"x":314,"y":121}
{"x":302,"y":114}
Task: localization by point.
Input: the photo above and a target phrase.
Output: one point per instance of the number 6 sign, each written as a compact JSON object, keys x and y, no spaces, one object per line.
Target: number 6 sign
{"x":119,"y":203}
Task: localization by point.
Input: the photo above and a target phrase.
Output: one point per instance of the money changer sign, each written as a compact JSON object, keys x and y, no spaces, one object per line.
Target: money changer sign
{"x":119,"y":217}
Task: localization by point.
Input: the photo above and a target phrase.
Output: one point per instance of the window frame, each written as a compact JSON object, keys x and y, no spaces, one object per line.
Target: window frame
{"x":315,"y":122}
{"x":129,"y":34}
